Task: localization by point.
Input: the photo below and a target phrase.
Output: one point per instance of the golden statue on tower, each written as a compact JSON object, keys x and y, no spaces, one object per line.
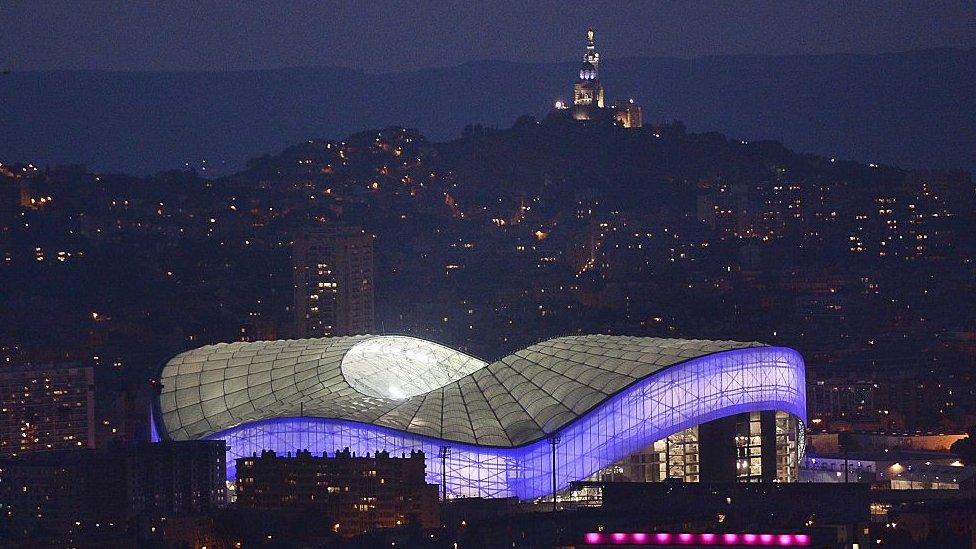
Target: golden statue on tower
{"x":588,"y":94}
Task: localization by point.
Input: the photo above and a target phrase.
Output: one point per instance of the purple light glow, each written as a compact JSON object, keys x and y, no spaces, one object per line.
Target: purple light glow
{"x":153,"y":428}
{"x":684,"y":538}
{"x":687,"y":394}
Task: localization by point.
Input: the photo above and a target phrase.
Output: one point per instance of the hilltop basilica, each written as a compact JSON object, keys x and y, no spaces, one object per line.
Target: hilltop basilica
{"x":588,"y":96}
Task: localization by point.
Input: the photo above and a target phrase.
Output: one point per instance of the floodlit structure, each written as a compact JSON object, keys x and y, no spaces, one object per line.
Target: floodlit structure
{"x":588,"y":95}
{"x":525,"y":425}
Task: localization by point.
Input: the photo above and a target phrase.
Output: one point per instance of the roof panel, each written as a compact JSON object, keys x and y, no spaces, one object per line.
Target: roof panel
{"x":411,"y":384}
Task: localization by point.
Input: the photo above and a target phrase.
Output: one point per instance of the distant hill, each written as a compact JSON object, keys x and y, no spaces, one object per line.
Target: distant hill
{"x":912,"y":109}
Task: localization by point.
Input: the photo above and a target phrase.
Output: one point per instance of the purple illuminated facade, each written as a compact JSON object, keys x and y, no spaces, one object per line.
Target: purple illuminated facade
{"x":671,"y":398}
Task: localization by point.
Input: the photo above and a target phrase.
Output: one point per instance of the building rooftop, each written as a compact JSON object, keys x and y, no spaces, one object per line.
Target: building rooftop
{"x":413,"y":385}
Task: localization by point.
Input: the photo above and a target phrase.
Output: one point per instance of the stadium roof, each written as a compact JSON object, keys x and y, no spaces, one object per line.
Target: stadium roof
{"x":412,"y":385}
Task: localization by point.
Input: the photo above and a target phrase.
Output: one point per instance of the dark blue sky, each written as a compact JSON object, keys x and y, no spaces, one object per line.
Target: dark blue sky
{"x":395,"y":36}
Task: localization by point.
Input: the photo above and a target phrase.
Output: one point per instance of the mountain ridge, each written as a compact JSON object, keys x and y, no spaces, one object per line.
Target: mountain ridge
{"x":913,"y":109}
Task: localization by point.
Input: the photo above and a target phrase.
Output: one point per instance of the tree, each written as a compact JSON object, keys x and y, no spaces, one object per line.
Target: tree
{"x":965,"y":448}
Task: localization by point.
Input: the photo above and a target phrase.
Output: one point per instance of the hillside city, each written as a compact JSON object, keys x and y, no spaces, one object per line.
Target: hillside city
{"x":189,"y":360}
{"x":504,"y":237}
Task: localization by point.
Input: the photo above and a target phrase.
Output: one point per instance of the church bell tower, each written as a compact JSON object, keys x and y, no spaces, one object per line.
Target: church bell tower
{"x":588,"y":103}
{"x":588,"y":92}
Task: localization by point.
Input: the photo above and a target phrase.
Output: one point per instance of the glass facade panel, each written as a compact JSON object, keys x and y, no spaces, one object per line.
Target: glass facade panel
{"x":666,"y":405}
{"x":787,"y":448}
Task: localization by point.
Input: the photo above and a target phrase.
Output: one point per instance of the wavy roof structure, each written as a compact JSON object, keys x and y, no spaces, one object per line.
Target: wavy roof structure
{"x":412,"y":385}
{"x":521,"y":426}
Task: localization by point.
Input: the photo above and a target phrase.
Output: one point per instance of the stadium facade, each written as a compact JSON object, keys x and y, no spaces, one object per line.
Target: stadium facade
{"x":527,"y":425}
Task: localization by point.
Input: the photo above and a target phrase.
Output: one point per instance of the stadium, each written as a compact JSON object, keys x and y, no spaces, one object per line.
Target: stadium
{"x":526,"y":425}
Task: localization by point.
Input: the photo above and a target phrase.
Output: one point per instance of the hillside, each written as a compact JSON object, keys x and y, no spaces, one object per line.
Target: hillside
{"x":913,"y":109}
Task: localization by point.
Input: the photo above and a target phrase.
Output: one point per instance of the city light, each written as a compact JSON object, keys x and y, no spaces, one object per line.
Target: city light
{"x":706,"y":539}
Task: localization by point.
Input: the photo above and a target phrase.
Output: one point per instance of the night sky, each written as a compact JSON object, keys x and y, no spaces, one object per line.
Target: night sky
{"x":397,"y":36}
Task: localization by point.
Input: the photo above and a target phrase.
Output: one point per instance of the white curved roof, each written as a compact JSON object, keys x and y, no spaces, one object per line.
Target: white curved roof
{"x":400,"y":367}
{"x":412,"y":385}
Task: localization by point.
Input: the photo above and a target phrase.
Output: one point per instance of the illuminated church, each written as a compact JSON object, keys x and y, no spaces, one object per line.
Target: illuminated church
{"x":588,"y":95}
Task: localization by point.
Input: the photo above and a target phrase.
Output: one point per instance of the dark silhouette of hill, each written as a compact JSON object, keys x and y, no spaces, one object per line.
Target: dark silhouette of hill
{"x":912,"y":109}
